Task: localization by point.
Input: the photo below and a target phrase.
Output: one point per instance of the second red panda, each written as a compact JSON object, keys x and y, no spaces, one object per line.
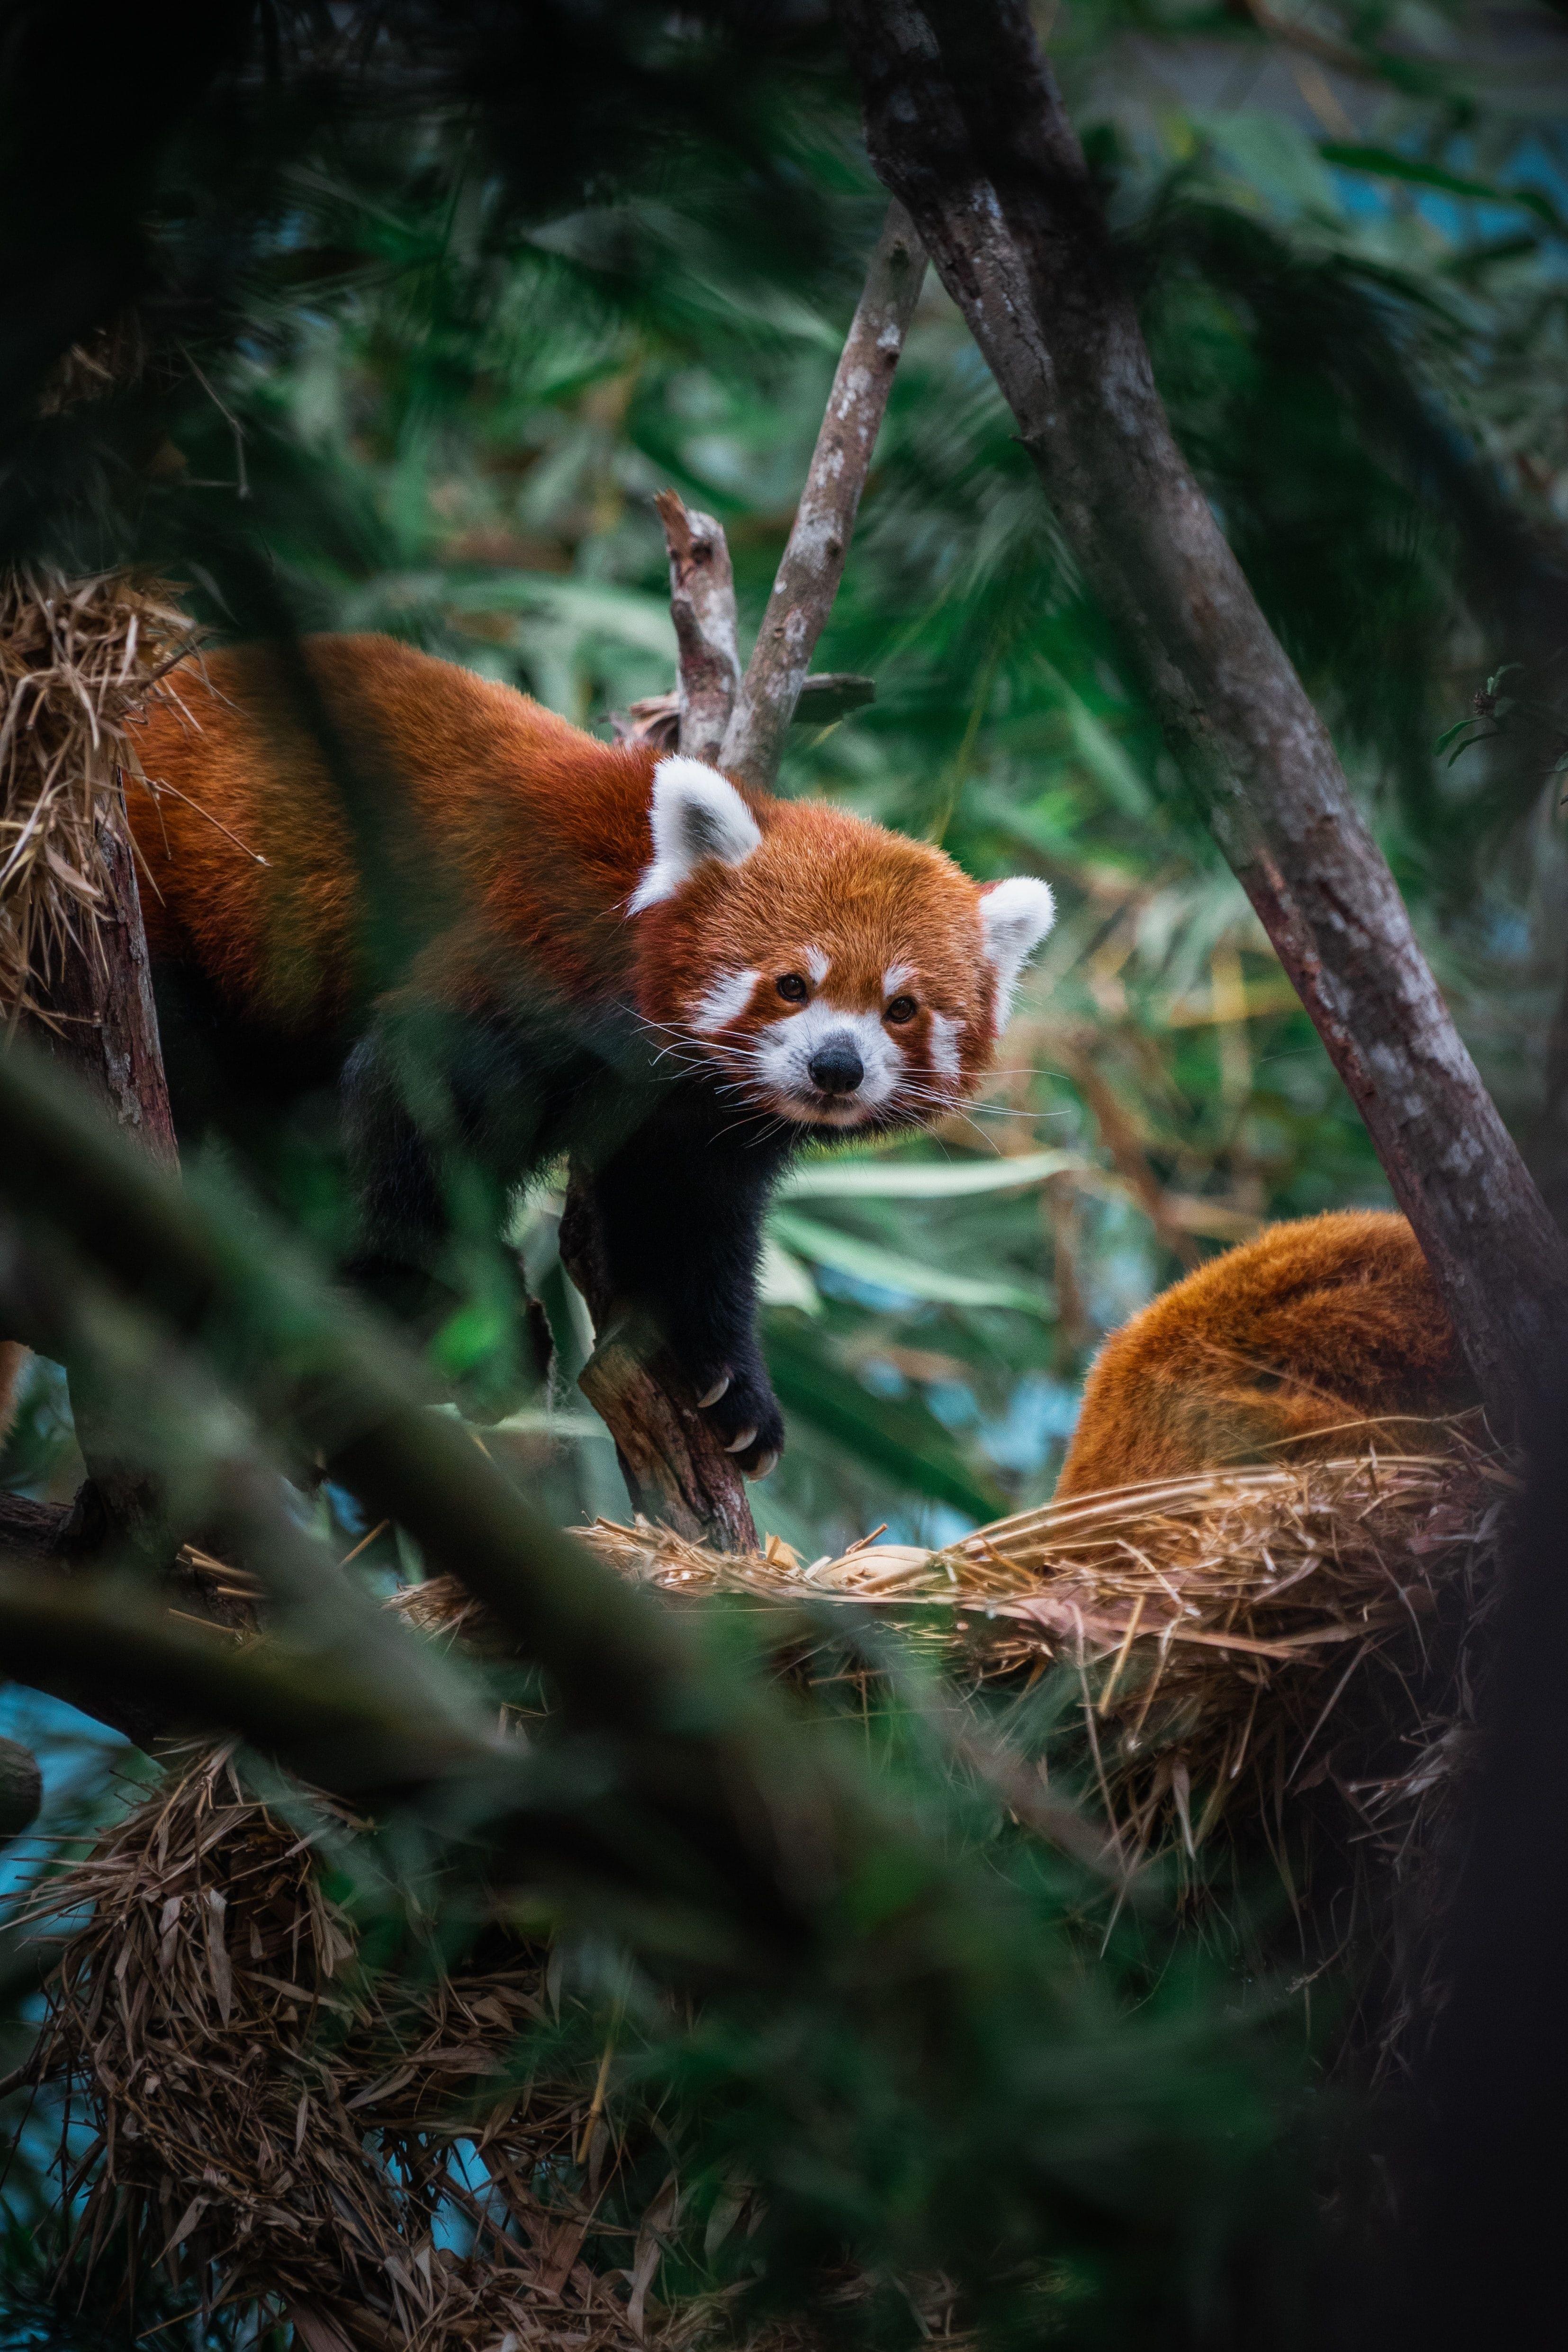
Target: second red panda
{"x":1285,"y":1347}
{"x":512,"y":937}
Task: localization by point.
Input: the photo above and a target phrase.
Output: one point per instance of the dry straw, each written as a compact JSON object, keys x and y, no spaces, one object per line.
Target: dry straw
{"x":1228,"y":1630}
{"x":80,"y":661}
{"x":273,"y":2122}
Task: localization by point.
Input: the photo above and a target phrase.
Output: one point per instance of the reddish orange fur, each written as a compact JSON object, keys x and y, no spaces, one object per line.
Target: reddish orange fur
{"x":470,"y":770}
{"x":1265,"y":1351}
{"x":531,"y":833}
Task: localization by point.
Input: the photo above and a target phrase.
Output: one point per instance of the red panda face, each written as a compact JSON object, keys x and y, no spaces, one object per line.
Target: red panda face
{"x":832,"y":974}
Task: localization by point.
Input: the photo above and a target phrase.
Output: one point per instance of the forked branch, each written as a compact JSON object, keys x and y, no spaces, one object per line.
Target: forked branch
{"x":674,"y":1467}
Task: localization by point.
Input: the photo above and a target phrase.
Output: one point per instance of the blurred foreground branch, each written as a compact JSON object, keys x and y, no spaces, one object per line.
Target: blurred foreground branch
{"x":715,"y":1792}
{"x":966,"y":124}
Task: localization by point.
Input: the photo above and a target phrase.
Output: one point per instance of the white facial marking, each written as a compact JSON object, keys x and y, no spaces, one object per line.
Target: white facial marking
{"x":695,"y":814}
{"x":817,"y":965}
{"x":945,"y":1033}
{"x":895,"y":976}
{"x":780,"y":1063}
{"x":724,"y":1003}
{"x":1014,"y":917}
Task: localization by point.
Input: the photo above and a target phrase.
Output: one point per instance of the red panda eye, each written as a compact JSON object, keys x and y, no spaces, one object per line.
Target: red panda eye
{"x":902,"y":1008}
{"x":792,"y":988}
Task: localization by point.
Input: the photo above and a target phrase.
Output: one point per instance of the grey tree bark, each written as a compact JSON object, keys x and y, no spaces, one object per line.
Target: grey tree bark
{"x":814,"y":559}
{"x":966,"y":127}
{"x":702,"y":606}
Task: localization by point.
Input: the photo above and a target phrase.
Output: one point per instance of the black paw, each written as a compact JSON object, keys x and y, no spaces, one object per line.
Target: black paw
{"x":740,"y":1405}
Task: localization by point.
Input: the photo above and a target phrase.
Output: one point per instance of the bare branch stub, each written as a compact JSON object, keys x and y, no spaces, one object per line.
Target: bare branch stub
{"x":814,"y":559}
{"x":964,"y":123}
{"x":674,"y":1467}
{"x":702,"y":605}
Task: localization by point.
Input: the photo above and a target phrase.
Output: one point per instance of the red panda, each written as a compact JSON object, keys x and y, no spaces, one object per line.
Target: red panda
{"x":592,"y":946}
{"x":1267,"y":1353}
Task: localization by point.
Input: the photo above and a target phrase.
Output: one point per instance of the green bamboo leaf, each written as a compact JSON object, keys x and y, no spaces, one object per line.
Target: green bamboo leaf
{"x":783,"y":1281}
{"x":899,"y":1436}
{"x":1384,"y":164}
{"x":875,"y":1179}
{"x":638,"y":620}
{"x":826,"y":1246}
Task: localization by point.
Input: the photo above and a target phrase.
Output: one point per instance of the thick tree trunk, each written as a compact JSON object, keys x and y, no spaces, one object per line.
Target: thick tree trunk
{"x":966,"y":126}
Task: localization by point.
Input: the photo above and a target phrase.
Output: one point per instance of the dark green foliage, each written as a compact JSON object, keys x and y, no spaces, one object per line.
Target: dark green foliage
{"x":431,"y":316}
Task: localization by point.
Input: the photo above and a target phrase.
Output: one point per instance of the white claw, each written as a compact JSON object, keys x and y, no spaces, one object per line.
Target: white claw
{"x":738,"y":1444}
{"x":714,"y":1393}
{"x":769,"y":1462}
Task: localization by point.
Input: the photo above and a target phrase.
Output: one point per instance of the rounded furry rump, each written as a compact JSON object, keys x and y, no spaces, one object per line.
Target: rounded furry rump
{"x":1268,"y":1348}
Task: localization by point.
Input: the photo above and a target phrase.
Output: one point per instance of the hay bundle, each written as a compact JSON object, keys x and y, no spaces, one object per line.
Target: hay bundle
{"x":1225,"y":1628}
{"x":79,"y":661}
{"x":274,"y":2125}
{"x":286,"y":2128}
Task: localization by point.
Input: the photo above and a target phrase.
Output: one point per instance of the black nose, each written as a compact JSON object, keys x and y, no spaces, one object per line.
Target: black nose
{"x":836,"y":1068}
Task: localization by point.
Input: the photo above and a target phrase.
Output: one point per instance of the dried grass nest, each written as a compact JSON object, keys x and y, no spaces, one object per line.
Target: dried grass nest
{"x":80,"y":661}
{"x":1222,"y":1626}
{"x":271,"y":2124}
{"x":271,"y":2121}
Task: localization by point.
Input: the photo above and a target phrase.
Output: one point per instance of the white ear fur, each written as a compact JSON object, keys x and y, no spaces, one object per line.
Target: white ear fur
{"x":1014,"y":917}
{"x":695,"y":814}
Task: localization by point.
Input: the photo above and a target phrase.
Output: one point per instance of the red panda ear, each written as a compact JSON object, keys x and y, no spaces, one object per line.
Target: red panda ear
{"x":1014,"y":917}
{"x":695,"y":814}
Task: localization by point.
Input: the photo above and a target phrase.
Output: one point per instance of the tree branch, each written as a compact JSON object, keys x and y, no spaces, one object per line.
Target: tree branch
{"x":674,"y":1466}
{"x":213,"y":1485}
{"x":814,"y":559}
{"x":701,"y":1751}
{"x":965,"y":125}
{"x":96,"y":1016}
{"x":97,"y":996}
{"x":326,"y":1714}
{"x":702,"y":606}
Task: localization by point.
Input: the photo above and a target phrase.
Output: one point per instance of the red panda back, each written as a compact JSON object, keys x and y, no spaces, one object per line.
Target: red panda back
{"x":496,"y":820}
{"x":1267,"y":1351}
